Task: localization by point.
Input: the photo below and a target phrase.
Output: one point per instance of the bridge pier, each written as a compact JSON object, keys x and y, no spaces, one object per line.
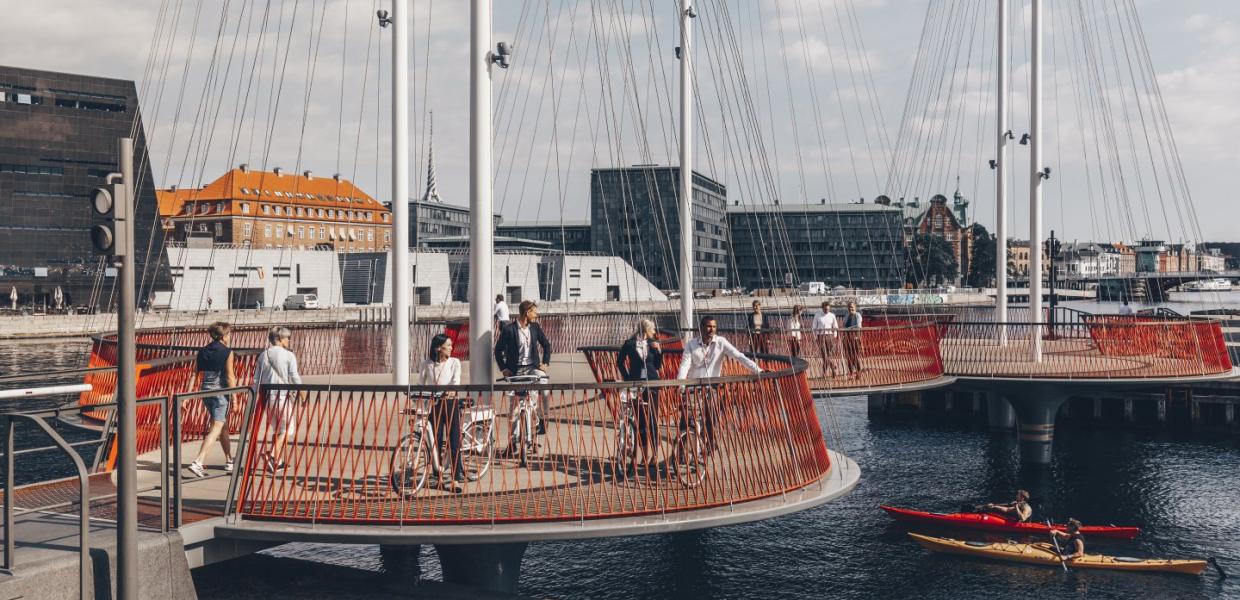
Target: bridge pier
{"x":492,"y":567}
{"x":999,"y":413}
{"x":1034,"y":406}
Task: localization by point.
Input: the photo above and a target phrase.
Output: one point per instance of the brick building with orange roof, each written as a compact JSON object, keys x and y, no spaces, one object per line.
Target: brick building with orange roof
{"x":273,"y":209}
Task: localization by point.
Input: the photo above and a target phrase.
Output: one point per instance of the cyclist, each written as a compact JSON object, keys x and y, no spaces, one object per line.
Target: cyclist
{"x":441,"y":368}
{"x":640,"y":359}
{"x":517,"y":353}
{"x":703,"y":357}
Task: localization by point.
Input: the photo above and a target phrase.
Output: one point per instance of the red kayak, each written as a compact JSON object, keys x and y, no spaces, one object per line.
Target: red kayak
{"x":1001,"y":524}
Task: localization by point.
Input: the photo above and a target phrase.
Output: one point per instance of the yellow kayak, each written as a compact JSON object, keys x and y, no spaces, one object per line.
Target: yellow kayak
{"x":1044,"y":554}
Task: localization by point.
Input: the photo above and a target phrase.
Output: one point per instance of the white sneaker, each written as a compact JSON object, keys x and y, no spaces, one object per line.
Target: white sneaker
{"x":197,"y":469}
{"x":228,"y":467}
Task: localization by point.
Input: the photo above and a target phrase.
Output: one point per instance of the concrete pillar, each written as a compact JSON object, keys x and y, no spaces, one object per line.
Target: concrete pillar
{"x":401,"y":563}
{"x":876,"y":403}
{"x":1229,"y":413}
{"x":493,"y":567}
{"x":1097,"y":408}
{"x":977,"y":403}
{"x":948,"y":396}
{"x":1035,"y":415}
{"x":1127,"y":410}
{"x":1162,"y":410}
{"x":999,"y":413}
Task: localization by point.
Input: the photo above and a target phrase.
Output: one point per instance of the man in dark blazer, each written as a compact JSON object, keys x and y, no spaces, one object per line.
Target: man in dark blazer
{"x":517,"y":351}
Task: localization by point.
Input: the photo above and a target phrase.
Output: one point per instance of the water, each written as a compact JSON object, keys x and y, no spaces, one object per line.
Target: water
{"x":1181,"y":490}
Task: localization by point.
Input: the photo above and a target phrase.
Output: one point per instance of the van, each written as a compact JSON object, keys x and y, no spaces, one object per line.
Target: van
{"x":813,"y":288}
{"x":301,"y":302}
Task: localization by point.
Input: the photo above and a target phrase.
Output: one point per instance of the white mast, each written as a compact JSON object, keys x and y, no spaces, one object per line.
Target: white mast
{"x":1036,"y":177}
{"x":1001,"y":302}
{"x":481,"y":233}
{"x":400,"y":192}
{"x":686,"y":165}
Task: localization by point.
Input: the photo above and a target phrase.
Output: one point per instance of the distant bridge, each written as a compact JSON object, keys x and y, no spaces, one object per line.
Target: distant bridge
{"x":1147,"y":286}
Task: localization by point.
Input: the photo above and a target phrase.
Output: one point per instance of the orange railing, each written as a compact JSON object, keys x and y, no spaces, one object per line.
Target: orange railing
{"x":1097,"y":347}
{"x":346,"y":459}
{"x":881,"y":355}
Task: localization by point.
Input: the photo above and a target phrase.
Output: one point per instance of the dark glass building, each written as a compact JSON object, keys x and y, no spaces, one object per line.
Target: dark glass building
{"x":58,"y":140}
{"x":854,"y":245}
{"x":634,"y":215}
{"x":569,"y":236}
{"x":434,"y":219}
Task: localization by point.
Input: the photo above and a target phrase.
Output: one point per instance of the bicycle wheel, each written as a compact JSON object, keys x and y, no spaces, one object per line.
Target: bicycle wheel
{"x":626,"y":445}
{"x":411,"y":464}
{"x":690,"y":459}
{"x":480,"y":441}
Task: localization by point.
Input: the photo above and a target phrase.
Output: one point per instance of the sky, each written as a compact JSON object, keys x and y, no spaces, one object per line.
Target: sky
{"x":798,"y":100}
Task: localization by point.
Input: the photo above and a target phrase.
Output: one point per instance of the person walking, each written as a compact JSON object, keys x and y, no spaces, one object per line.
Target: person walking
{"x":500,"y":312}
{"x":215,"y":370}
{"x":852,"y":340}
{"x":277,"y":365}
{"x":794,"y":331}
{"x":756,"y":322}
{"x":825,"y":328}
{"x":640,"y":359}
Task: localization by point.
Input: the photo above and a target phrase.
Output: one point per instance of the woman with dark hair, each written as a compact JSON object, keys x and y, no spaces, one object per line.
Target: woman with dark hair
{"x":441,"y":368}
{"x":215,"y":368}
{"x":640,"y":359}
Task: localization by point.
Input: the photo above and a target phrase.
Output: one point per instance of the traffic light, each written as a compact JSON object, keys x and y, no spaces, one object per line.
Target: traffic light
{"x":111,"y":202}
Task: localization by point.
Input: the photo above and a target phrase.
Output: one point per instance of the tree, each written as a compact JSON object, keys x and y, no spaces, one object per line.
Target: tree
{"x":982,"y":267}
{"x":930,"y":259}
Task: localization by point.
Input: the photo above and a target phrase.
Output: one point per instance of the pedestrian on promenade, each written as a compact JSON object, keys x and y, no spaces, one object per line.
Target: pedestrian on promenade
{"x":852,"y":340}
{"x":517,"y":353}
{"x":441,"y":368}
{"x":756,"y":321}
{"x":215,"y":371}
{"x":500,"y":312}
{"x":701,"y":358}
{"x":277,"y":365}
{"x":794,"y":331}
{"x":640,"y":359}
{"x":825,"y":328}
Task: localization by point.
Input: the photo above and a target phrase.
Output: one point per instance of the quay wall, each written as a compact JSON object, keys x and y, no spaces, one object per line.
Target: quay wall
{"x":64,"y":326}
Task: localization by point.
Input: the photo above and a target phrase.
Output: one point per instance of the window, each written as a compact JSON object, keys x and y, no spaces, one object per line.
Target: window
{"x":311,"y":232}
{"x":266,"y":209}
{"x":370,"y":235}
{"x":279,"y":210}
{"x":331,"y":213}
{"x":219,"y":207}
{"x":246,"y":228}
{"x":300,"y":212}
{"x":219,"y":229}
{"x":387,"y":237}
{"x":245,"y":208}
{"x":267,"y":230}
{"x":279,"y":231}
{"x":322,"y":233}
{"x":320,"y":213}
{"x":301,"y":231}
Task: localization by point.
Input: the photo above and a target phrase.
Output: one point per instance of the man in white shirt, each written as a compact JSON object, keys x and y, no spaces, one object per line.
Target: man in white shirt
{"x":824,"y":328}
{"x":501,"y":311}
{"x":703,"y":357}
{"x":277,"y":365}
{"x":1125,"y":309}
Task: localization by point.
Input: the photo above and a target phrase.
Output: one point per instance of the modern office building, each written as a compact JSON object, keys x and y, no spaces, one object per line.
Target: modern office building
{"x":854,"y":245}
{"x":567,"y":236}
{"x":273,"y":209}
{"x":634,"y":215}
{"x":58,"y":141}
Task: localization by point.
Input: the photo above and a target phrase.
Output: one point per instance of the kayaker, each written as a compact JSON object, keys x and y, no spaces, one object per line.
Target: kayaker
{"x":1020,"y":507}
{"x":1073,"y":542}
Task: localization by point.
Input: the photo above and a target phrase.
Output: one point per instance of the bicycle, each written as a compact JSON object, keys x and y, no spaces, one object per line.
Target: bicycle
{"x":417,"y":455}
{"x":524,"y":417}
{"x":626,"y":431}
{"x":692,"y":448}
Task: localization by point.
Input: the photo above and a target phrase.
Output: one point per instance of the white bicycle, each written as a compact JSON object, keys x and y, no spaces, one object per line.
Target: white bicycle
{"x":522,"y":437}
{"x":417,"y":456}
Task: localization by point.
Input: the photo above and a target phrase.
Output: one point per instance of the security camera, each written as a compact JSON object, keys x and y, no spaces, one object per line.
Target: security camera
{"x":503,"y":51}
{"x":689,"y":12}
{"x":994,"y":164}
{"x":384,"y":19}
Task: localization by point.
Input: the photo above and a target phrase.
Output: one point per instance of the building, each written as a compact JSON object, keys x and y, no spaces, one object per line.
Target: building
{"x":435,"y":219}
{"x":1087,"y":259}
{"x":208,"y":276}
{"x":854,"y":245}
{"x":567,"y":236}
{"x":58,"y":140}
{"x":272,"y":209}
{"x":635,"y":215}
{"x":938,"y":219}
{"x":557,"y":277}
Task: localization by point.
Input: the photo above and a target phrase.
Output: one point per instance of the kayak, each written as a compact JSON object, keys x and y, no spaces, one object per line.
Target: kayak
{"x":1044,"y":554}
{"x":1001,"y":524}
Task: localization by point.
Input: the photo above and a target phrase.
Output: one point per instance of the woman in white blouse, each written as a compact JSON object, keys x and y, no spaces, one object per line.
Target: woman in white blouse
{"x":440,"y":368}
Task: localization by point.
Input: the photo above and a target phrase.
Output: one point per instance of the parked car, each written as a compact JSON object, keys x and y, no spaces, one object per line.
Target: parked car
{"x":301,"y":302}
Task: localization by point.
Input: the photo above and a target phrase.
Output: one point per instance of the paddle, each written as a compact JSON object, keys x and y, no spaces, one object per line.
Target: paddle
{"x":1218,"y":567}
{"x":1054,"y":540}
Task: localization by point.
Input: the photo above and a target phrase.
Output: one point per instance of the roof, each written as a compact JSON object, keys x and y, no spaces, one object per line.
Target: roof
{"x":813,"y":208}
{"x":545,"y":224}
{"x":271,"y":188}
